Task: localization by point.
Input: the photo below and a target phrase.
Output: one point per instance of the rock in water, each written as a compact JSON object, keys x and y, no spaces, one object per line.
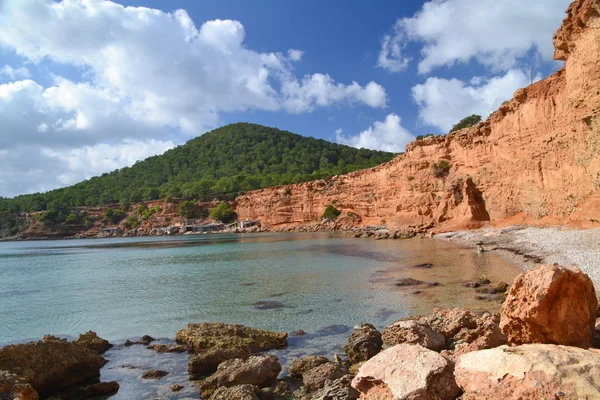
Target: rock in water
{"x":413,"y":332}
{"x":206,"y":336}
{"x":154,"y":374}
{"x":259,"y":371}
{"x":52,"y":366}
{"x":364,"y":342}
{"x":530,"y":371}
{"x":208,"y":361}
{"x":93,"y":342}
{"x":550,"y":304}
{"x":406,"y":372}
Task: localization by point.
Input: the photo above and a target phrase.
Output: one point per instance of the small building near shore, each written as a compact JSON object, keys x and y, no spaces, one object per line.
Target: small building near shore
{"x":201,"y":228}
{"x":110,"y":231}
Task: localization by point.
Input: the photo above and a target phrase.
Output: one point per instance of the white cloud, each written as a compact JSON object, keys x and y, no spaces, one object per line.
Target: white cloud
{"x":15,"y":73}
{"x":388,"y":135}
{"x":338,"y":131}
{"x":295,"y":55}
{"x":494,"y":33}
{"x":143,"y":74}
{"x":444,"y":102}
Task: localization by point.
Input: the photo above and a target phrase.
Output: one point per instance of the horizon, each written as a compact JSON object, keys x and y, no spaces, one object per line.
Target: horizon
{"x":113,"y":83}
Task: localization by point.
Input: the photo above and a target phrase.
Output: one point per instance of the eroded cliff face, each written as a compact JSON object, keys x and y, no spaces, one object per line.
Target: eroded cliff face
{"x":535,"y":159}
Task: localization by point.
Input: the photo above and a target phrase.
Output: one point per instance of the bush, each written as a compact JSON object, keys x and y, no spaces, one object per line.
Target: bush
{"x":411,"y":178}
{"x":72,"y":218}
{"x":331,"y":212}
{"x":466,"y":122}
{"x":288,"y":191}
{"x":113,"y":217}
{"x":441,"y":169}
{"x":189,"y":209}
{"x":223,"y":212}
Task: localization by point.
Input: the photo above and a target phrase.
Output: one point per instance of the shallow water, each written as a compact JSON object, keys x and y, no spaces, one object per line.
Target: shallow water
{"x":123,"y":288}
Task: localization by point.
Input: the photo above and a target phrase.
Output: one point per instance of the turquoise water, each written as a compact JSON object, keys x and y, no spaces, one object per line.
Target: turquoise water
{"x":128,"y":287}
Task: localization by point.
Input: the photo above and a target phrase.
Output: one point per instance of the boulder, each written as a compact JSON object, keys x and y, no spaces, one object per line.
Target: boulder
{"x":406,"y":372}
{"x":413,"y":332}
{"x":93,"y":342}
{"x":51,"y":366}
{"x":154,"y":374}
{"x":530,"y":371}
{"x":259,"y":371}
{"x":338,"y":389}
{"x":450,"y":321}
{"x":176,"y":387}
{"x":206,"y":336}
{"x":364,"y":342}
{"x":550,"y":304}
{"x":239,"y":392}
{"x":205,"y":363}
{"x":315,"y":378}
{"x":301,"y":365}
{"x":277,"y":391}
{"x":13,"y":387}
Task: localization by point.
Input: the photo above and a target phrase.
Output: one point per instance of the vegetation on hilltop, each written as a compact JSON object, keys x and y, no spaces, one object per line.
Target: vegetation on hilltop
{"x":466,"y":122}
{"x":220,"y":164}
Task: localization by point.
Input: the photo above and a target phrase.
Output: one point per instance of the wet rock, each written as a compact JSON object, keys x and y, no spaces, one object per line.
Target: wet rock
{"x":315,"y":378}
{"x":501,"y":287}
{"x":207,"y":362}
{"x":425,"y":265}
{"x":277,"y":391}
{"x":550,"y":304}
{"x":93,"y":342}
{"x":364,"y":342}
{"x":298,"y":332}
{"x":154,"y":374}
{"x":260,"y":371}
{"x":530,"y":371}
{"x":205,"y":336}
{"x":52,"y":366}
{"x":433,"y":284}
{"x":301,"y":365}
{"x":483,"y":290}
{"x":15,"y":388}
{"x":413,"y":332}
{"x":176,"y":387}
{"x":102,"y":390}
{"x":168,"y":348}
{"x":483,"y":281}
{"x":417,"y":292}
{"x":406,"y":372}
{"x":144,"y":340}
{"x":239,"y":392}
{"x":408,"y":282}
{"x":268,"y":305}
{"x":473,"y":284}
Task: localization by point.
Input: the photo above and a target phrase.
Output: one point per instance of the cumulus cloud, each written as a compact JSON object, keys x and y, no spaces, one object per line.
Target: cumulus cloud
{"x":139,"y":75}
{"x":338,"y":131}
{"x":444,"y":102}
{"x":295,"y":55}
{"x":494,"y":33}
{"x":388,"y":135}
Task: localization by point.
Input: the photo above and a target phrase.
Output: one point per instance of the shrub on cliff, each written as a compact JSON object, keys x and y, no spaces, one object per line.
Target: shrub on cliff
{"x":440,"y":169}
{"x":113,"y":217}
{"x":466,"y":122}
{"x":223,"y":212}
{"x":331,"y":212}
{"x":189,"y":209}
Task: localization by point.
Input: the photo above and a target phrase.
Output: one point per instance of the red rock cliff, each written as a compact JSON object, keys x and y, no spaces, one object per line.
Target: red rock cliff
{"x":538,"y":156}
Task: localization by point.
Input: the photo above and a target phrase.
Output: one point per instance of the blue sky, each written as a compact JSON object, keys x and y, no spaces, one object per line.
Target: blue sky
{"x":87,"y":86}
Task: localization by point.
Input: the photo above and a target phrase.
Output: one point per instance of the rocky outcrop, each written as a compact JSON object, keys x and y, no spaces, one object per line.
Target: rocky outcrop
{"x":206,"y":362}
{"x":240,"y":392}
{"x":413,"y":332}
{"x":530,"y":371}
{"x":550,"y":304}
{"x":406,"y":372}
{"x":364,"y":342}
{"x":315,"y":378}
{"x":206,"y":336}
{"x":301,"y":365}
{"x":536,"y":158}
{"x":260,"y":371}
{"x":93,"y":342}
{"x":52,"y":366}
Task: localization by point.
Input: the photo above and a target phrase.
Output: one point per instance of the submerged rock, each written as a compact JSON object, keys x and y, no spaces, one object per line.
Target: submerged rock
{"x":268,"y":305}
{"x":550,"y":304}
{"x":93,"y":342}
{"x":408,"y":282}
{"x":364,"y":342}
{"x":530,"y":371}
{"x":206,"y":336}
{"x":52,"y":366}
{"x":406,"y":372}
{"x":260,"y":371}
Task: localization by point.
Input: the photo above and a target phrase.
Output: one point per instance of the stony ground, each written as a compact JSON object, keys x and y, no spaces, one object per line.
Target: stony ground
{"x":529,"y":246}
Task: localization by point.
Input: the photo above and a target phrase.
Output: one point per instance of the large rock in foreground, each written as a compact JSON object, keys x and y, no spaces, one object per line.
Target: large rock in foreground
{"x":406,"y":372}
{"x":206,"y":336}
{"x":530,"y":371}
{"x":13,"y":387}
{"x":364,"y":342}
{"x":52,"y":366}
{"x":260,"y":371}
{"x":550,"y":304}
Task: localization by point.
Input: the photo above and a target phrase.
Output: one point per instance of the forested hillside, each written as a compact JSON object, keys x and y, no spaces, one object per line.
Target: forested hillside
{"x":222,"y":163}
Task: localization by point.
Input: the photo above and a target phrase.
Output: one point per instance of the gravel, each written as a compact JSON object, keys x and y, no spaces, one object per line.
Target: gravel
{"x":529,"y":246}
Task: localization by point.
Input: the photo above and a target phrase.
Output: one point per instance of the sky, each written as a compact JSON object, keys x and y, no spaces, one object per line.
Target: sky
{"x":89,"y":86}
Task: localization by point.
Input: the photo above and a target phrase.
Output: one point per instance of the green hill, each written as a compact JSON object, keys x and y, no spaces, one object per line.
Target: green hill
{"x":222,"y":163}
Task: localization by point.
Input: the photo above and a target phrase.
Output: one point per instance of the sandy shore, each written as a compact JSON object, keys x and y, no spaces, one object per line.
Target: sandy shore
{"x":529,"y":246}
